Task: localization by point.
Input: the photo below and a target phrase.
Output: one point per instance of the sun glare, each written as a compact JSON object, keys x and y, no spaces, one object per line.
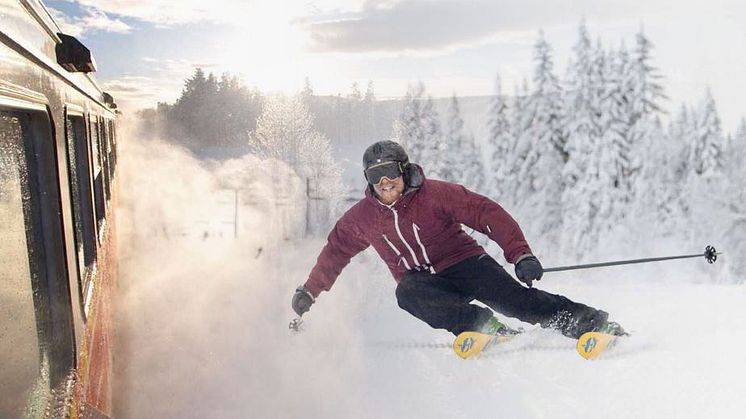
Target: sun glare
{"x":267,"y":51}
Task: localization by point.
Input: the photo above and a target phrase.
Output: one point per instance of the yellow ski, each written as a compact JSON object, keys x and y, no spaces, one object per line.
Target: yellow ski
{"x":471,"y":344}
{"x":592,"y":344}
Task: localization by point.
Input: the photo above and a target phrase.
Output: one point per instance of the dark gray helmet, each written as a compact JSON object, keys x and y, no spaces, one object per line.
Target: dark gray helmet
{"x":384,"y":158}
{"x":384,"y":151}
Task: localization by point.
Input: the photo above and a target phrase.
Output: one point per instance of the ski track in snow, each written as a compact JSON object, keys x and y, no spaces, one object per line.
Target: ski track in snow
{"x":206,"y":336}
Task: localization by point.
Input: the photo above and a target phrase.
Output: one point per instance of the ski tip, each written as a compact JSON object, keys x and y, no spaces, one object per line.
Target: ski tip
{"x":471,"y":344}
{"x":592,"y":345}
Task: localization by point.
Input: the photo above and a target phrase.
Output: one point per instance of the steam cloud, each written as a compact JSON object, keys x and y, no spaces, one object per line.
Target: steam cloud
{"x":203,"y":330}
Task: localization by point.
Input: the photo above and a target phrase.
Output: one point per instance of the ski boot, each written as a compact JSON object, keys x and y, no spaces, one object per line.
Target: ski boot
{"x":494,"y":327}
{"x":612,"y":328}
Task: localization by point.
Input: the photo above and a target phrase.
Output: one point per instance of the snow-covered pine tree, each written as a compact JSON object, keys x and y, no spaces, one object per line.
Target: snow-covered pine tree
{"x":664,"y":203}
{"x":463,"y":161}
{"x":707,"y":183}
{"x":353,"y":116}
{"x":285,"y":132}
{"x":434,"y":151}
{"x":418,"y":130}
{"x":706,"y":156}
{"x":579,"y":118}
{"x":539,"y":181}
{"x":735,"y":158}
{"x":369,"y":114}
{"x":645,"y":108}
{"x":518,"y":117}
{"x":455,"y":157}
{"x":682,"y":133}
{"x":501,"y":166}
{"x":307,"y":93}
{"x":635,"y":152}
{"x":474,"y":178}
{"x":580,"y":173}
{"x":613,"y":148}
{"x":735,"y":230}
{"x":408,"y":129}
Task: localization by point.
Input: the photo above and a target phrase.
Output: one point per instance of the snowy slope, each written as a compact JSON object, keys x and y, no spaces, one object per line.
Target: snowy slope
{"x":203,"y":334}
{"x":211,"y":340}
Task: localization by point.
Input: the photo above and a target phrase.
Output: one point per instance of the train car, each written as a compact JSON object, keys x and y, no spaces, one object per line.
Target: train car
{"x":58,"y":270}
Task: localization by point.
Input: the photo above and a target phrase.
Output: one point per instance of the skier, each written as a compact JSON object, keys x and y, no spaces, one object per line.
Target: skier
{"x":414,"y":224}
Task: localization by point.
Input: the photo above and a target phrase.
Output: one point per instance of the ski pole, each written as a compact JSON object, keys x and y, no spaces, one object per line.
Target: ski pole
{"x":710,"y":255}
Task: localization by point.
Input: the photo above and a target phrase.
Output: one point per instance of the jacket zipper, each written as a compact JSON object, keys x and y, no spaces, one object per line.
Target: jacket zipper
{"x":398,"y":253}
{"x":401,"y":237}
{"x":416,"y":229}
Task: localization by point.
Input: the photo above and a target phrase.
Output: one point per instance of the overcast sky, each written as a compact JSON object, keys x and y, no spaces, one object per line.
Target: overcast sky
{"x":146,"y":48}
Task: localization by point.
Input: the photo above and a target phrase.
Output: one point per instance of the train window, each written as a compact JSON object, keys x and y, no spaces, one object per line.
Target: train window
{"x":82,"y":198}
{"x":106,"y":146}
{"x":37,"y":352}
{"x":19,"y":347}
{"x":98,"y":175}
{"x":110,"y":140}
{"x":102,"y":152}
{"x":113,"y":130}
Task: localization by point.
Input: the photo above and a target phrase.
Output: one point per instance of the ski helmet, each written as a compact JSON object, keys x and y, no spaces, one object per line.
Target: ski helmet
{"x":384,"y":159}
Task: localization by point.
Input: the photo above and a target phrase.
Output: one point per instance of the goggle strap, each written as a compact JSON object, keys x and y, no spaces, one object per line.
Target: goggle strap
{"x":383,"y":164}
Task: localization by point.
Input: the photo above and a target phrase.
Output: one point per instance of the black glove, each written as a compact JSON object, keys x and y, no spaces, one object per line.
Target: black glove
{"x":529,"y":269}
{"x":302,"y":300}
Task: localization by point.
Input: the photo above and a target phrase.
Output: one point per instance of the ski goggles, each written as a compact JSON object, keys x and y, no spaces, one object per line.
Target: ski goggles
{"x":388,"y":169}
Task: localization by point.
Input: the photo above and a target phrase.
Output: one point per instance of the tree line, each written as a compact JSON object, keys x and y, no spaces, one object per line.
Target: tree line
{"x":585,"y":160}
{"x":582,"y":160}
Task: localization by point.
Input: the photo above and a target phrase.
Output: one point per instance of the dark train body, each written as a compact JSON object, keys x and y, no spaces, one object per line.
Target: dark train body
{"x":58,"y":269}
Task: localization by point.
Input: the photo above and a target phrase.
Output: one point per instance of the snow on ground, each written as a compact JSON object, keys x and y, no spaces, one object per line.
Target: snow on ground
{"x":203,"y":333}
{"x":210,"y":339}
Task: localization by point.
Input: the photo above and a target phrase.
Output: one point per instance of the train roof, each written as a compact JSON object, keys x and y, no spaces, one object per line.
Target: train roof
{"x":28,"y":27}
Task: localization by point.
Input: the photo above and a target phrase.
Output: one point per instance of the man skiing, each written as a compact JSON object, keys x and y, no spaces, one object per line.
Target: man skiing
{"x":414,"y":224}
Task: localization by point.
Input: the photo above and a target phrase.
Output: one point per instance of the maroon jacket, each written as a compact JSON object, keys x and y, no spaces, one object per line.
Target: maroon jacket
{"x":421,"y":231}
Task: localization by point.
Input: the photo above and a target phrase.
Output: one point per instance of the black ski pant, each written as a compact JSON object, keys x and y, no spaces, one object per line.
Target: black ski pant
{"x":443,"y":300}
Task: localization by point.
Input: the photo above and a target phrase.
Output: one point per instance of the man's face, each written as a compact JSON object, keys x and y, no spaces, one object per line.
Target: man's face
{"x":389,"y":190}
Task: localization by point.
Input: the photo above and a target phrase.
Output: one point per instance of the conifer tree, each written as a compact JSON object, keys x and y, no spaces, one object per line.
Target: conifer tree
{"x":454,"y":159}
{"x":518,"y":118}
{"x":368,"y":114}
{"x":735,"y":226}
{"x":737,"y":155}
{"x":501,"y":165}
{"x":285,"y":131}
{"x":418,"y":130}
{"x":707,"y":151}
{"x":463,"y":161}
{"x":613,"y":147}
{"x":580,"y":200}
{"x":474,"y":178}
{"x":212,"y":117}
{"x":707,"y":185}
{"x":539,"y":181}
{"x":736,"y":172}
{"x":646,"y":96}
{"x":654,"y":156}
{"x":307,"y":93}
{"x":664,"y":202}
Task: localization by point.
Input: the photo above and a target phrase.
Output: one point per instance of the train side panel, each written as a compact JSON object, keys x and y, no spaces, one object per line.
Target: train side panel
{"x":57,"y":227}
